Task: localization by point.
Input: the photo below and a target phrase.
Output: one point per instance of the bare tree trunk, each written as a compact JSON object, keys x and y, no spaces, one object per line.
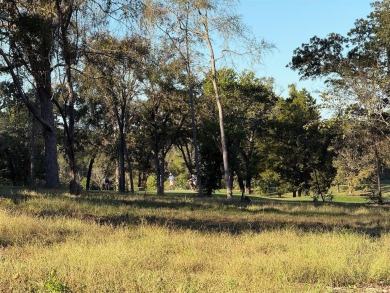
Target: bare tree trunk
{"x":130,"y":171}
{"x":32,"y":148}
{"x":193,"y":120}
{"x":248,"y":185}
{"x":220,"y":113}
{"x":64,"y":17}
{"x":195,"y":142}
{"x":160,"y":191}
{"x":162,"y":174}
{"x":140,"y":183}
{"x":121,"y":162}
{"x":50,"y":137}
{"x":378,"y":178}
{"x":89,"y":174}
{"x":186,"y":157}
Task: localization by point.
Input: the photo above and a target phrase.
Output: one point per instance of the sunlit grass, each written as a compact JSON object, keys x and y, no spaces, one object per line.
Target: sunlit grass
{"x":104,"y":242}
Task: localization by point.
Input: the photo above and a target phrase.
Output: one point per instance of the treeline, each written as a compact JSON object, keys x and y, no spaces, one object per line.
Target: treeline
{"x":132,"y":92}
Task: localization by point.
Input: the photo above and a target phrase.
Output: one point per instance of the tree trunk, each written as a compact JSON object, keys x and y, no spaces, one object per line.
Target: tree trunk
{"x":248,"y":185}
{"x":74,"y":186}
{"x":140,"y":183}
{"x":158,"y":179}
{"x":11,"y":166}
{"x":220,"y":115}
{"x":50,"y":137}
{"x":89,"y":174}
{"x":64,"y":16}
{"x":294,"y":193}
{"x":186,"y":154}
{"x":32,"y":148}
{"x":162,"y":175}
{"x":223,"y":142}
{"x":130,"y":170}
{"x":378,"y":178}
{"x":241,"y":184}
{"x":193,"y":120}
{"x":158,"y":170}
{"x":195,"y":142}
{"x":121,"y":162}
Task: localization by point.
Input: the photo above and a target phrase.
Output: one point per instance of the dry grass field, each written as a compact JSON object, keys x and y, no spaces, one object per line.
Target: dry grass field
{"x":105,"y":242}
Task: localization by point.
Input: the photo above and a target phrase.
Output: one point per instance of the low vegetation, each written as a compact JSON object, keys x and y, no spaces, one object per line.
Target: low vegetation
{"x":105,"y":242}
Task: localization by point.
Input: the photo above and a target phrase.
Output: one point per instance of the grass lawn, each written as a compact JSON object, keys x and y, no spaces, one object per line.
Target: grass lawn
{"x":107,"y":242}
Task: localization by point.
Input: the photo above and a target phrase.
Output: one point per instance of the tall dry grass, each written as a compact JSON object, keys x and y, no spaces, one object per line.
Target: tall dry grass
{"x":109,"y":243}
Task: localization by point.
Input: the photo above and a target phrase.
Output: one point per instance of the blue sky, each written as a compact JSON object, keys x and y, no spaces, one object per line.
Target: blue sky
{"x":289,"y":23}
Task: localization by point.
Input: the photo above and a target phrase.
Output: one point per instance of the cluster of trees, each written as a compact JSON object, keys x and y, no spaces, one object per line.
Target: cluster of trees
{"x":131,"y":89}
{"x":356,"y":68}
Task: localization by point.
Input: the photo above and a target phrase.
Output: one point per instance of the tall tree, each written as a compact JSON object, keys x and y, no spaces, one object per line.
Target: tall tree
{"x":15,"y":126}
{"x":203,"y":23}
{"x":115,"y":67}
{"x":295,"y":140}
{"x":248,"y":102}
{"x":26,"y":44}
{"x":173,"y":19}
{"x":164,"y":113}
{"x":357,"y":69}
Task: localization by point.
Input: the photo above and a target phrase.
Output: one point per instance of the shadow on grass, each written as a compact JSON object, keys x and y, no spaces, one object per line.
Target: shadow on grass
{"x":233,"y":227}
{"x":302,"y":220}
{"x":213,"y":215}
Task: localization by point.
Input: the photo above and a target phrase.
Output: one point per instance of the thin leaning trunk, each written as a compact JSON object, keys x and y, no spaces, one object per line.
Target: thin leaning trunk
{"x":195,"y":142}
{"x":121,"y":162}
{"x":220,"y":115}
{"x":377,"y":162}
{"x":32,"y":153}
{"x":130,"y":171}
{"x":64,"y":17}
{"x":193,"y":120}
{"x":90,"y":166}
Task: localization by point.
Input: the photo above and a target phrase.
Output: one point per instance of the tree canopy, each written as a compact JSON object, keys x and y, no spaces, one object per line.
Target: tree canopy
{"x":133,"y":91}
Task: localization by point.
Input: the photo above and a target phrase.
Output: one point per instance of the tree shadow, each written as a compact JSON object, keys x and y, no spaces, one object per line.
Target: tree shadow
{"x":306,"y":220}
{"x":232,"y":221}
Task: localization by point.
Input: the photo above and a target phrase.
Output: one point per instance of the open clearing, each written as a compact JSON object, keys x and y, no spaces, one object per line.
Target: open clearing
{"x":105,"y":242}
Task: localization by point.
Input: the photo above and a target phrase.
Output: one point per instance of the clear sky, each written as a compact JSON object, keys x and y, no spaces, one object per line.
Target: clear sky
{"x":289,"y":23}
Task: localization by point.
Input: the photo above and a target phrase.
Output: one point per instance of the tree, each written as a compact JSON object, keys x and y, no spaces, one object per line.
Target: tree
{"x":248,"y":114}
{"x":206,"y":22}
{"x":26,"y":42}
{"x":164,"y":112}
{"x":296,"y":146}
{"x":248,"y":102}
{"x":357,"y":70}
{"x":354,"y":161}
{"x":115,"y":67}
{"x":15,"y":126}
{"x":173,"y":19}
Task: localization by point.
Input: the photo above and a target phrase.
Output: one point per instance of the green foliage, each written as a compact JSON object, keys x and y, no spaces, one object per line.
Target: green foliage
{"x":54,"y":285}
{"x":248,"y":102}
{"x":151,"y":182}
{"x":211,"y":163}
{"x":16,"y":144}
{"x":299,"y":145}
{"x":356,"y":69}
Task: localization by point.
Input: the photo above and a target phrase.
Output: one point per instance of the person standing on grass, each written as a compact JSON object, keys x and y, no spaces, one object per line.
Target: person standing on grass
{"x":106,"y":184}
{"x":192,"y":182}
{"x":171,"y":183}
